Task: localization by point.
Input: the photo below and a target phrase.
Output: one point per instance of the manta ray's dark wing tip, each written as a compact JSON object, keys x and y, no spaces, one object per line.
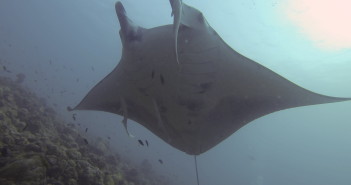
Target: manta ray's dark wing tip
{"x":312,"y":98}
{"x":338,"y":99}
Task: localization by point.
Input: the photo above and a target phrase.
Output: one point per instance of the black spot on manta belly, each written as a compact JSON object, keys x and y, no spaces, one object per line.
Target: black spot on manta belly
{"x":204,"y":87}
{"x":193,"y":105}
{"x":143,"y":91}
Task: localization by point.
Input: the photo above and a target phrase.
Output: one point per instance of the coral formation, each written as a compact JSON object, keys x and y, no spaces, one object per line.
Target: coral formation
{"x":36,"y":147}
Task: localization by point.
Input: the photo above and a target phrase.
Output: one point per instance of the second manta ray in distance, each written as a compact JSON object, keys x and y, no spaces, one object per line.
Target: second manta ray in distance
{"x":187,"y":86}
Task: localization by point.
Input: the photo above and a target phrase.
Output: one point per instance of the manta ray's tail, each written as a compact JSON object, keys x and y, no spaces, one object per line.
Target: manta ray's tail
{"x":197,"y":173}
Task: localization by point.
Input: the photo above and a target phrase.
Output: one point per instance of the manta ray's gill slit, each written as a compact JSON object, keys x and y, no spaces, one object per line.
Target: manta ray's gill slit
{"x":162,"y":80}
{"x":152,"y":74}
{"x":196,"y":61}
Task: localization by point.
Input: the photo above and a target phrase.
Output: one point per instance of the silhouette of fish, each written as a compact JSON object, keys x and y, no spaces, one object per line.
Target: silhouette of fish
{"x":141,"y":142}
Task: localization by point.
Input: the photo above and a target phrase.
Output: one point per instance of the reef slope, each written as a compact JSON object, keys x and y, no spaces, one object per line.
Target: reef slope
{"x":37,"y":147}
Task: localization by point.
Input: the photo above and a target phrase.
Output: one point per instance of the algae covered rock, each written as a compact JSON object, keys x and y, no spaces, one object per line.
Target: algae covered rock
{"x":28,"y":169}
{"x":36,"y":147}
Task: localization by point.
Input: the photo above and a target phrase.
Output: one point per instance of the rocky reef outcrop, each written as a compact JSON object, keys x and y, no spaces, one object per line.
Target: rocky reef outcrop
{"x":36,"y":147}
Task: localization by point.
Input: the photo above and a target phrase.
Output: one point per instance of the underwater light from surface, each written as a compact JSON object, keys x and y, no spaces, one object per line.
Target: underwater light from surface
{"x":326,"y":22}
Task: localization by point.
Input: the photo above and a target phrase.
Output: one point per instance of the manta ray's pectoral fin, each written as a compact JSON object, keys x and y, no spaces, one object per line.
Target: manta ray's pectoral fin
{"x":129,"y":31}
{"x":125,"y":116}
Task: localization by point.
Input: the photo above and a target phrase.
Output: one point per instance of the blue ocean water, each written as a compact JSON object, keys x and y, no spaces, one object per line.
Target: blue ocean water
{"x":65,"y":47}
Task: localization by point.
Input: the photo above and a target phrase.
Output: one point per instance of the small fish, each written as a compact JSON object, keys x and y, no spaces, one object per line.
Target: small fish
{"x":20,"y":77}
{"x":74,"y":116}
{"x":86,"y":129}
{"x":108,"y":137}
{"x":71,"y":125}
{"x":92,"y":68}
{"x":5,"y":69}
{"x":141,"y":142}
{"x":147,"y":143}
{"x":161,"y":162}
{"x":85,"y":141}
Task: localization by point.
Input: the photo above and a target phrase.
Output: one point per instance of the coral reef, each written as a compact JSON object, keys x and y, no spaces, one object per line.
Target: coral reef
{"x":36,"y":147}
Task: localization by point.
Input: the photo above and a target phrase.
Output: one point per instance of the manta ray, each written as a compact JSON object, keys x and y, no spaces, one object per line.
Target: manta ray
{"x":187,"y":86}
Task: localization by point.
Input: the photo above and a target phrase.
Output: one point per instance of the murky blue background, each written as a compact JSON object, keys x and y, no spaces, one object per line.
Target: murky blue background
{"x":64,"y":47}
